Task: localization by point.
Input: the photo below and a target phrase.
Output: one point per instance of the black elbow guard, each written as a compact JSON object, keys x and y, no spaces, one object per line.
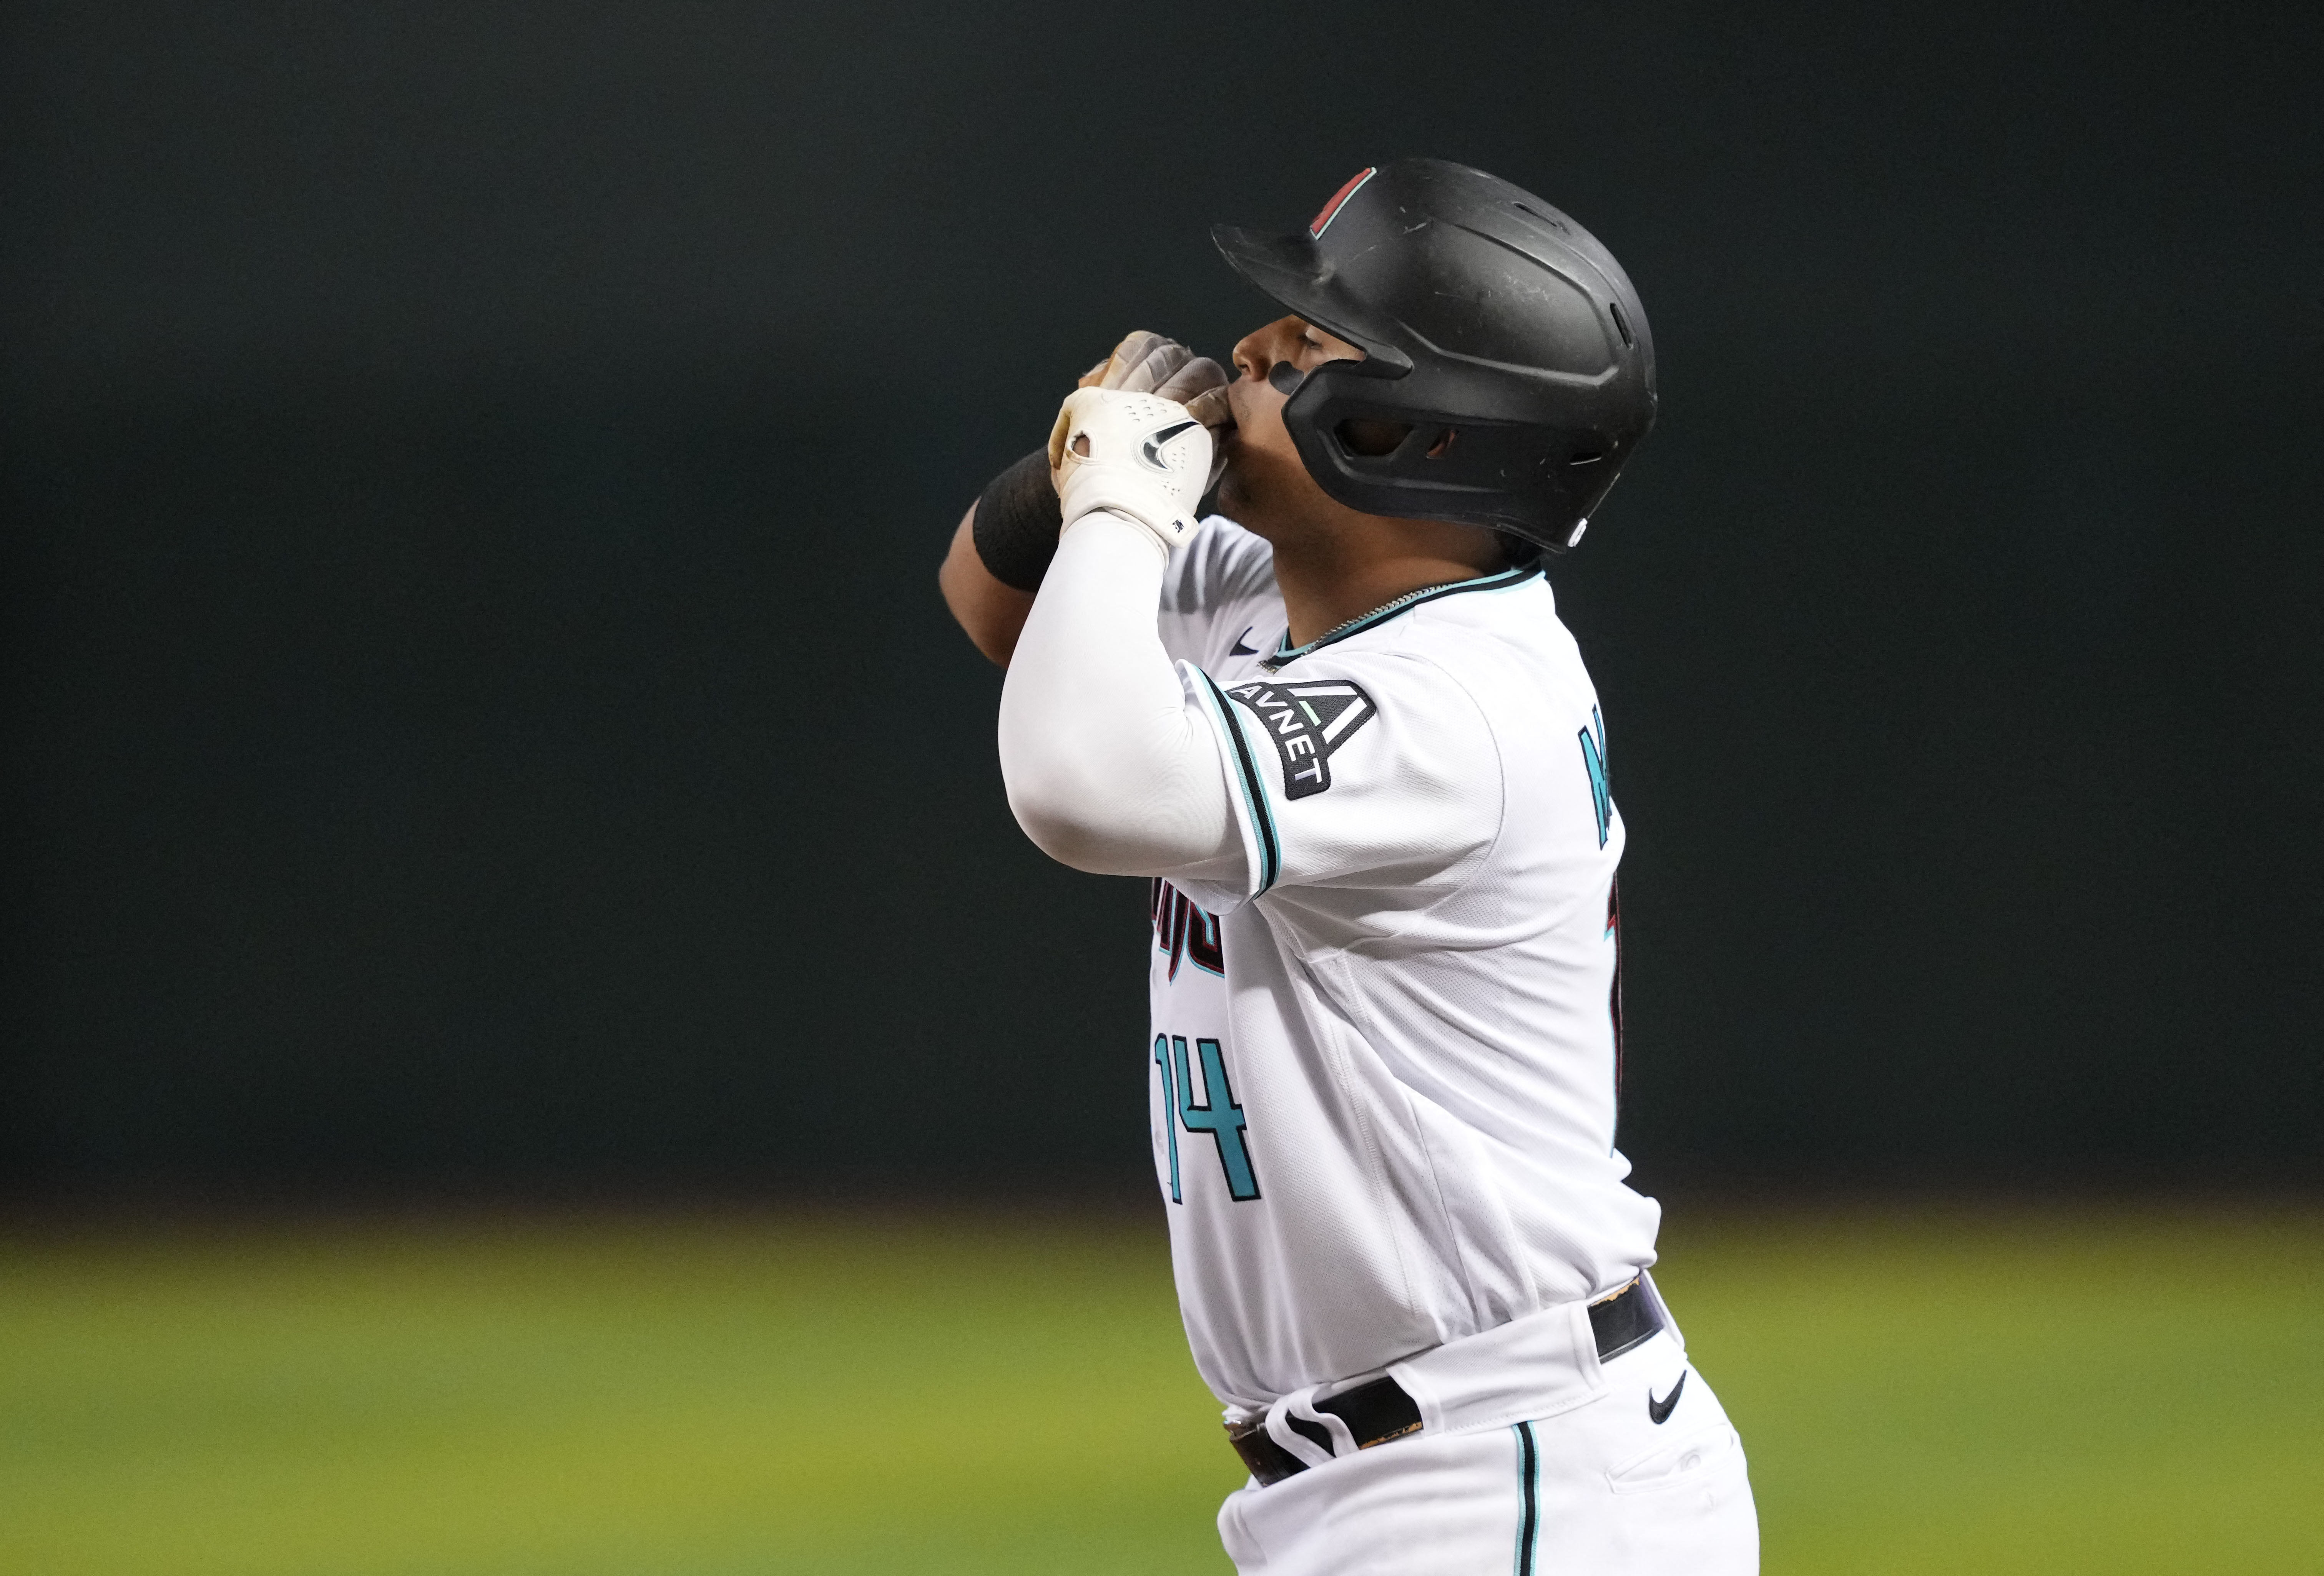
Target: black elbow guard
{"x":1018,"y":520}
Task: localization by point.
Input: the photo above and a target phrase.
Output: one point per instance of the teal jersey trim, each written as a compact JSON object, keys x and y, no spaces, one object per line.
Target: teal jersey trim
{"x":1254,"y":789}
{"x":1507,"y":579}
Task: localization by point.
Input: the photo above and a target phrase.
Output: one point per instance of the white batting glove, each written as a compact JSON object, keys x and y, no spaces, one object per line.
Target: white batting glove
{"x":1140,"y":455}
{"x":1145,"y":363}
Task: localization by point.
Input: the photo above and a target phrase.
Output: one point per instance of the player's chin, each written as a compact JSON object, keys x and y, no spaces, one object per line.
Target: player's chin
{"x":1242,"y":494}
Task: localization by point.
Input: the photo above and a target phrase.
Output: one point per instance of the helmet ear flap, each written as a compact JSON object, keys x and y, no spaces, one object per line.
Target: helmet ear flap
{"x":1391,"y":447}
{"x":1353,"y":446}
{"x":1371,"y":446}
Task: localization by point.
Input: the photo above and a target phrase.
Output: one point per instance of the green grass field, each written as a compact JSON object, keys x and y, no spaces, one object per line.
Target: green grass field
{"x":1920,"y":1391}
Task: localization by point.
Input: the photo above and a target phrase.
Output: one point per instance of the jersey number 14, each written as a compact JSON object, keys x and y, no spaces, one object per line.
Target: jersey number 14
{"x":1218,"y":1115}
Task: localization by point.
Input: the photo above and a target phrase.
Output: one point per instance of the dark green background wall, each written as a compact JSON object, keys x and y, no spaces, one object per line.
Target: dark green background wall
{"x":478,"y":712}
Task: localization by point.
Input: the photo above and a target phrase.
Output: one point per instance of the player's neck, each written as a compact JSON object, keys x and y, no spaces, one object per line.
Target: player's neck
{"x":1329,"y":577}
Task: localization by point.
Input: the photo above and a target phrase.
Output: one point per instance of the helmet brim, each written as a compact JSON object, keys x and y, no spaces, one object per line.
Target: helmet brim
{"x":1292,"y":270}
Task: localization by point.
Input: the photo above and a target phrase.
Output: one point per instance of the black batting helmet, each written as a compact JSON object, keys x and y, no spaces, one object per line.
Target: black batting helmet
{"x":1484,"y":314}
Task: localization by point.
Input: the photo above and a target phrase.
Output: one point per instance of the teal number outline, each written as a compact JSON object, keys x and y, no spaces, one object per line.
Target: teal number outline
{"x":1169,"y":1110}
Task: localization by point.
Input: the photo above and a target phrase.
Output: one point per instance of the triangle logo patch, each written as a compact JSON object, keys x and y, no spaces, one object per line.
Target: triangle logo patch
{"x":1308,"y":724}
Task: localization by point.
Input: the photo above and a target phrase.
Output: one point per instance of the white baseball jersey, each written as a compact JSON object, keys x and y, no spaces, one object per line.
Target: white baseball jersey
{"x":1384,"y":1062}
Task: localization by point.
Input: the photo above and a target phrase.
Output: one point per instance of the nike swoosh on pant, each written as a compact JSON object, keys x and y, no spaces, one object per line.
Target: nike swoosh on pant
{"x":1660,"y":1411}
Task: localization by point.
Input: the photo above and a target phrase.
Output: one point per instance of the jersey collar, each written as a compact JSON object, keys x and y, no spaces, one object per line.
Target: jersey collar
{"x":1287,"y":653}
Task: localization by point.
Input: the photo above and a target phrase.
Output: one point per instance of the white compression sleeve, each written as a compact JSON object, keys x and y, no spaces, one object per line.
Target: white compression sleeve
{"x":1109,"y":769}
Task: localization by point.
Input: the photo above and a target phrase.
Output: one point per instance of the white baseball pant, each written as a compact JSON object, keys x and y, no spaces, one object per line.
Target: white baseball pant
{"x":1592,"y":1484}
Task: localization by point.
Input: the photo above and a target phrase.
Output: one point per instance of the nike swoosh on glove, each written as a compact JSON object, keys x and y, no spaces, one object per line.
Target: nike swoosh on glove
{"x":1137,"y":455}
{"x":1145,"y":363}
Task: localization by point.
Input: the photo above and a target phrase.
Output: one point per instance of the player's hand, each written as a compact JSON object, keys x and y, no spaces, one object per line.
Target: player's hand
{"x":1138,"y":454}
{"x":1145,"y":363}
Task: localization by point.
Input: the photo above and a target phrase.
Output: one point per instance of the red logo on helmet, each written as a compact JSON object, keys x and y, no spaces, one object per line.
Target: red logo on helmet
{"x":1323,"y":221}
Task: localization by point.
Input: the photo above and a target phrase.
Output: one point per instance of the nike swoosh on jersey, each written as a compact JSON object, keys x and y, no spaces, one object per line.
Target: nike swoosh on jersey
{"x":1660,"y":1411}
{"x":1238,"y":648}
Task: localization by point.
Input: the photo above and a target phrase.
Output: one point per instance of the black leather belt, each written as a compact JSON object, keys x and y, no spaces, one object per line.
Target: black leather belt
{"x":1381,"y":1410}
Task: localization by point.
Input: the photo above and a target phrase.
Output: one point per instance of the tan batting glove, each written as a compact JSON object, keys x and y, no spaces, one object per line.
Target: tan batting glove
{"x":1137,"y":455}
{"x":1145,"y":363}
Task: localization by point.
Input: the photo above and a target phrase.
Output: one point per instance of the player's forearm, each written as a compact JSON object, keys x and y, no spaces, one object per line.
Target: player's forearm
{"x":1107,"y":768}
{"x":989,"y":611}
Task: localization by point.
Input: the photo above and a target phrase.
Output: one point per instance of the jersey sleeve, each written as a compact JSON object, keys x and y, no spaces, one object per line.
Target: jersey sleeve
{"x":1216,"y":583}
{"x":1381,"y":772}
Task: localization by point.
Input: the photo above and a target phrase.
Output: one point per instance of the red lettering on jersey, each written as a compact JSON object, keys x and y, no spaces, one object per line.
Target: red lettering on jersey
{"x":1184,"y":931}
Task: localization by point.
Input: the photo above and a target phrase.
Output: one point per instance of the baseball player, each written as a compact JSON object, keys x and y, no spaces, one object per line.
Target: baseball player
{"x":1338,"y":724}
